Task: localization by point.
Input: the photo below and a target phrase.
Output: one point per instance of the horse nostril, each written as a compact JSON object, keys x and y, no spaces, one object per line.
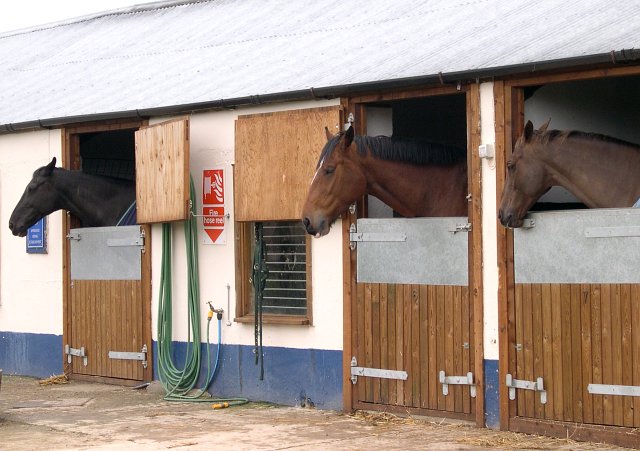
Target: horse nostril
{"x":10,"y":225}
{"x":306,"y":223}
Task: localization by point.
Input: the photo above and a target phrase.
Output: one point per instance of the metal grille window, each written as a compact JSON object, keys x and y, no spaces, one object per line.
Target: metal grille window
{"x":285,"y":290}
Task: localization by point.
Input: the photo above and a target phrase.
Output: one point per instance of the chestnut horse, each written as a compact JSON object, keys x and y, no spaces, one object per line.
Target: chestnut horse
{"x":602,"y":172}
{"x":95,"y":200}
{"x":412,"y":177}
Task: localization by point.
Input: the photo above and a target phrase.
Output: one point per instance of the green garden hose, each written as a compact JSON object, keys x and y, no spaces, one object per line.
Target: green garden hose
{"x":178,"y":383}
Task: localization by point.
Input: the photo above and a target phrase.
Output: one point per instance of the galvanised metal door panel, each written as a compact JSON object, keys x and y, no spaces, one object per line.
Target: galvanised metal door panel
{"x":106,"y":253}
{"x":413,"y":251}
{"x":586,"y":246}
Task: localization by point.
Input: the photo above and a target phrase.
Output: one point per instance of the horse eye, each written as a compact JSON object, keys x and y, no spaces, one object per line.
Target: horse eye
{"x":329,"y":170}
{"x":510,"y":164}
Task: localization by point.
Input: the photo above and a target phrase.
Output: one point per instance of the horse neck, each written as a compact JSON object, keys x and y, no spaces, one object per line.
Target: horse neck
{"x":82,"y":194}
{"x":418,"y":190}
{"x":600,"y":174}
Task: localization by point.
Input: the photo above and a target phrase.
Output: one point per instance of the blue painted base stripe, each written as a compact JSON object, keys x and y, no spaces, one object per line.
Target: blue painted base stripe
{"x":291,"y":376}
{"x":28,"y":354}
{"x":491,"y":394}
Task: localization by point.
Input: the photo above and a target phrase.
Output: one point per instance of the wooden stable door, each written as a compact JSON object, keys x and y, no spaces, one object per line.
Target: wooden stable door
{"x":419,"y":329}
{"x":108,"y":332}
{"x":575,"y":334}
{"x":107,"y":317}
{"x":412,"y":315}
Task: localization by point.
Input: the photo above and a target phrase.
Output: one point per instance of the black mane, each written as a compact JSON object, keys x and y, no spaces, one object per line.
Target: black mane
{"x":418,"y":152}
{"x":552,"y":135}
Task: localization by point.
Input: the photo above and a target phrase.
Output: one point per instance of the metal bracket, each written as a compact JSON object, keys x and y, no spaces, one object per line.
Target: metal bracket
{"x":121,"y":355}
{"x":538,"y":386}
{"x":461,"y":228}
{"x":615,"y":390}
{"x":457,"y":380}
{"x":76,"y":353}
{"x":374,"y":372}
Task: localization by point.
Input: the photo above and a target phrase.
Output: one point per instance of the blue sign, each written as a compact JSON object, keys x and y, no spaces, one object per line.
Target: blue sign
{"x":37,"y":237}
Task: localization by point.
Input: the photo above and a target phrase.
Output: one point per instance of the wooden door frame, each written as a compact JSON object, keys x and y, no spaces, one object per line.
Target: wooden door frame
{"x":71,"y":160}
{"x":509,"y":123}
{"x":356,"y":105}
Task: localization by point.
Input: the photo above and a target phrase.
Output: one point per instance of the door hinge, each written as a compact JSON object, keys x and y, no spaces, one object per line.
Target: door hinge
{"x":121,"y":355}
{"x":73,"y":352}
{"x":374,"y":372}
{"x":615,"y":390}
{"x":457,"y":380}
{"x":377,"y":237}
{"x":537,"y":385}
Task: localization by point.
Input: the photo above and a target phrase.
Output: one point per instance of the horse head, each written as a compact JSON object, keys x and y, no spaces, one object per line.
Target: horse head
{"x":38,"y":200}
{"x":527,"y":177}
{"x":338,"y":182}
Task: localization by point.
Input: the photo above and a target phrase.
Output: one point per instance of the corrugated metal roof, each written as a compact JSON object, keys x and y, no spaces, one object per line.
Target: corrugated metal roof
{"x":177,"y":53}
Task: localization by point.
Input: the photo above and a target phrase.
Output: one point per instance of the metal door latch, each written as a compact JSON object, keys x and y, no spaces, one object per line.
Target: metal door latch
{"x":457,"y":380}
{"x":76,"y":353}
{"x":537,"y":385}
{"x":374,"y":372}
{"x":461,"y":228}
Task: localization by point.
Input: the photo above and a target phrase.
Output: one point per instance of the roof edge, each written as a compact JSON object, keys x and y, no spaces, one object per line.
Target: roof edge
{"x":141,"y":7}
{"x":614,"y":58}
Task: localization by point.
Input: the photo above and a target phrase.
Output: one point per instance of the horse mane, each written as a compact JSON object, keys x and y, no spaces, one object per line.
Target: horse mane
{"x":553,"y":135}
{"x":418,"y":152}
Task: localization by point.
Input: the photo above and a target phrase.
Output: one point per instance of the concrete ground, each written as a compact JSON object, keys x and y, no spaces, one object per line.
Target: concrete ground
{"x":83,"y":415}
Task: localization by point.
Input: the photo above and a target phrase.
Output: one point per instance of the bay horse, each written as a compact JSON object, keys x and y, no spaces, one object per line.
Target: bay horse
{"x":601,"y":171}
{"x":414,"y":178}
{"x":95,"y":200}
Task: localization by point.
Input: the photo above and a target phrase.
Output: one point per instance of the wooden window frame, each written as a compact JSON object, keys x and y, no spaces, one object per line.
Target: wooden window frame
{"x":274,"y":207}
{"x":244,"y":263}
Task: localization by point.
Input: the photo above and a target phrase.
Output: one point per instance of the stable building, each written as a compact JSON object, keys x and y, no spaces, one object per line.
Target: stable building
{"x":236,"y":95}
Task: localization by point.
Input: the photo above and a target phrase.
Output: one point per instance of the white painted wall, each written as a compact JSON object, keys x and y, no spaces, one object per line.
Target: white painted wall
{"x":30,"y":284}
{"x":489,"y":225}
{"x":212,"y":145}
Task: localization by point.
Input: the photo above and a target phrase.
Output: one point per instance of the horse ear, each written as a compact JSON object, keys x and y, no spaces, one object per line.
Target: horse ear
{"x":50,"y":166}
{"x":348,"y":136}
{"x":543,"y":127}
{"x":528,"y":131}
{"x":328,"y":133}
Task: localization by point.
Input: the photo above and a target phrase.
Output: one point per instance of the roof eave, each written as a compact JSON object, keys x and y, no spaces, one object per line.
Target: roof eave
{"x":614,"y":58}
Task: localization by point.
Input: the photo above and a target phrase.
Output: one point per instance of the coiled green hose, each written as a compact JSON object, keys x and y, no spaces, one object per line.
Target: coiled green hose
{"x":178,"y":383}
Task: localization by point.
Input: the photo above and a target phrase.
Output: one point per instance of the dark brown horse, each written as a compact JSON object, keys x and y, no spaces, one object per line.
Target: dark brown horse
{"x":602,"y":172}
{"x":94,"y":200}
{"x":414,"y":178}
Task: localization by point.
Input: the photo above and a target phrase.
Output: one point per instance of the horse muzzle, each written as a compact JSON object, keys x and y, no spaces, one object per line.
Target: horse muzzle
{"x":509,"y":220}
{"x":15,"y":231}
{"x":317,"y":231}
